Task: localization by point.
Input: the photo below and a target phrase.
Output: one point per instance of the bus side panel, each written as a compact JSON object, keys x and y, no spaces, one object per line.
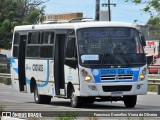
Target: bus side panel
{"x":30,"y":74}
{"x":51,"y":85}
{"x":14,"y":73}
{"x":39,"y":71}
{"x":71,"y":75}
{"x":143,"y":84}
{"x":86,"y":87}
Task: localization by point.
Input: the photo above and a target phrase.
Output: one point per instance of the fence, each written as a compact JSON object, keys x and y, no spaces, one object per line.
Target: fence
{"x":152,"y":78}
{"x":3,"y":74}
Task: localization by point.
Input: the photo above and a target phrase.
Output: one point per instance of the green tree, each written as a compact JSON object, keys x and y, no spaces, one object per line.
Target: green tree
{"x":18,"y":12}
{"x":152,"y":7}
{"x":154,"y":21}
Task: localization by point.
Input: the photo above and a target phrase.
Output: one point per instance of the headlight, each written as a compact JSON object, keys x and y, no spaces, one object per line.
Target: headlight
{"x":87,"y":78}
{"x":143,"y":74}
{"x":85,"y":75}
{"x":141,"y":77}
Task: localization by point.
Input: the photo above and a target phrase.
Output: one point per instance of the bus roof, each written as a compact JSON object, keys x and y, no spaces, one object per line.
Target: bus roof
{"x":73,"y":25}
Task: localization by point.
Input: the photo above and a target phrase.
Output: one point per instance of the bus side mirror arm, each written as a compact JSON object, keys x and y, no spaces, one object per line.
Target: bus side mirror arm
{"x":71,"y":62}
{"x":143,"y":40}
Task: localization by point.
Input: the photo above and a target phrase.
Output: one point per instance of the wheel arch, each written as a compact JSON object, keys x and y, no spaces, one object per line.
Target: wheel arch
{"x":32,"y":84}
{"x":69,"y":89}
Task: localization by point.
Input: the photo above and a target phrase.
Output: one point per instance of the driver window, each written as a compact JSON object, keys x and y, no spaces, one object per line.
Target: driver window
{"x":70,"y":48}
{"x":71,"y":51}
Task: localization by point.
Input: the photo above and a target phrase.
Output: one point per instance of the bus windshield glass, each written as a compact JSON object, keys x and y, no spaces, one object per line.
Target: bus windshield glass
{"x":113,"y":46}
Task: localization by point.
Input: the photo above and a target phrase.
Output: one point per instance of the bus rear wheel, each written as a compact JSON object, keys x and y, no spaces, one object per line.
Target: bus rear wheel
{"x":76,"y":101}
{"x":130,"y":101}
{"x":41,"y":99}
{"x":90,"y":100}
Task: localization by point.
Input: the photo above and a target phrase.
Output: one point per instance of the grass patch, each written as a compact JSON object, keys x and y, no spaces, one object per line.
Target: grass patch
{"x":7,"y":81}
{"x":67,"y":116}
{"x":32,"y":119}
{"x":1,"y":80}
{"x":2,"y":107}
{"x":152,"y":88}
{"x":4,"y":70}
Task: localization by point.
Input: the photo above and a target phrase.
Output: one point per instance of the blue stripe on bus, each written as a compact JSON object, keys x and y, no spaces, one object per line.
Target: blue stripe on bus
{"x":97,"y":73}
{"x":28,"y":80}
{"x":12,"y":61}
{"x":16,"y":69}
{"x":47,"y":77}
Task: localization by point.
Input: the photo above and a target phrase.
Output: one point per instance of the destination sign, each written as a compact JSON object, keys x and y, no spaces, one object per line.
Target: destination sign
{"x":106,"y":34}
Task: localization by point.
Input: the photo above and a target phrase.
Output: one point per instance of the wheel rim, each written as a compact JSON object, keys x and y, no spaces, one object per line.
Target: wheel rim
{"x":73,"y":98}
{"x":36,"y":94}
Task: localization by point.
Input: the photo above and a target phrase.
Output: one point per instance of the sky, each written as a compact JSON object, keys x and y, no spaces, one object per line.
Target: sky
{"x":123,"y":12}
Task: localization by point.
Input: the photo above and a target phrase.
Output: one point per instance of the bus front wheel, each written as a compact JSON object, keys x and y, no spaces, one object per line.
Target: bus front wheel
{"x":130,"y":101}
{"x":76,"y":101}
{"x":41,"y":99}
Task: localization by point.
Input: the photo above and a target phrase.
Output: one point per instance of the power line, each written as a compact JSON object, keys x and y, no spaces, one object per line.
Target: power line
{"x":88,"y":9}
{"x":109,"y":7}
{"x":88,"y":13}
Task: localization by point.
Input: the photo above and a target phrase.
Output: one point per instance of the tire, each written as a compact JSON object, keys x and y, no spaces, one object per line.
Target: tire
{"x":46,"y":99}
{"x":130,"y":101}
{"x":76,"y":101}
{"x":89,"y":100}
{"x":41,"y":99}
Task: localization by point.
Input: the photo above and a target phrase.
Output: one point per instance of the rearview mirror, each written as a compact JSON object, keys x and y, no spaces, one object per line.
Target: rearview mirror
{"x":143,"y":40}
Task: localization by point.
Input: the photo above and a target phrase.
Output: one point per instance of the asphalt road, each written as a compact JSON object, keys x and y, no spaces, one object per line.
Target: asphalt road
{"x":16,"y":101}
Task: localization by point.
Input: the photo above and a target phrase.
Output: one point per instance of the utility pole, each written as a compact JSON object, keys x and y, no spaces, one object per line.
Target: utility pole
{"x":97,"y":10}
{"x":109,"y":8}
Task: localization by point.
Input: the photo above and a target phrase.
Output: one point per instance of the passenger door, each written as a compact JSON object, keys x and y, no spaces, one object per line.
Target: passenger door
{"x":21,"y":63}
{"x":59,"y":56}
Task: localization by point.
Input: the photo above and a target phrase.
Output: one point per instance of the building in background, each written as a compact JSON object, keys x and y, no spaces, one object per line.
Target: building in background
{"x":152,"y":35}
{"x":150,"y":32}
{"x":104,"y":15}
{"x":64,"y":16}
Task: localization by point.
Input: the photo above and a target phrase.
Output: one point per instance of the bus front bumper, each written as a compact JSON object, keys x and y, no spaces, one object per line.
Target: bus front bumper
{"x":113,"y":89}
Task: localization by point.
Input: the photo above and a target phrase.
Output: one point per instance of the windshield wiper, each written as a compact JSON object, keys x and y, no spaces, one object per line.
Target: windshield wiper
{"x":138,"y":63}
{"x":125,"y":59}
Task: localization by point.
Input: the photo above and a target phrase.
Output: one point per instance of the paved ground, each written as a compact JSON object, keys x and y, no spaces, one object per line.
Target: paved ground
{"x":15,"y":101}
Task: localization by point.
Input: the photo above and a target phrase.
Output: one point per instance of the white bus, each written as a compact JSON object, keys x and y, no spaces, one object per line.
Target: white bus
{"x":84,"y":62}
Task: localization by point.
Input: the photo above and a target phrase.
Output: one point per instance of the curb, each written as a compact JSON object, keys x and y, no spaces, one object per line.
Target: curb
{"x":152,"y":93}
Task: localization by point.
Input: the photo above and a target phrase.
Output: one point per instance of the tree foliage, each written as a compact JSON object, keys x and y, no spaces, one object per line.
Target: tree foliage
{"x":153,"y":7}
{"x":17,"y":12}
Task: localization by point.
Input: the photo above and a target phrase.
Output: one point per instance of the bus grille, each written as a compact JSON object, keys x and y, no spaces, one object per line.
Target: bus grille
{"x":117,"y":77}
{"x":117,"y":88}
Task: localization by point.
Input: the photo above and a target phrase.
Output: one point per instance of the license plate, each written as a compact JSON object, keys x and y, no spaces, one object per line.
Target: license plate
{"x":115,"y":94}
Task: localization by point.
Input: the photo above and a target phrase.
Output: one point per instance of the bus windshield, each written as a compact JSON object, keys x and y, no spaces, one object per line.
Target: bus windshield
{"x":113,"y":46}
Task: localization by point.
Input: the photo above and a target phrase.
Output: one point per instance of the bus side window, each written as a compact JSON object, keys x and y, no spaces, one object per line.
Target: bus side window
{"x":34,"y":38}
{"x":16,"y":45}
{"x":71,"y":53}
{"x":47,"y":37}
{"x":46,"y":48}
{"x":33,"y":44}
